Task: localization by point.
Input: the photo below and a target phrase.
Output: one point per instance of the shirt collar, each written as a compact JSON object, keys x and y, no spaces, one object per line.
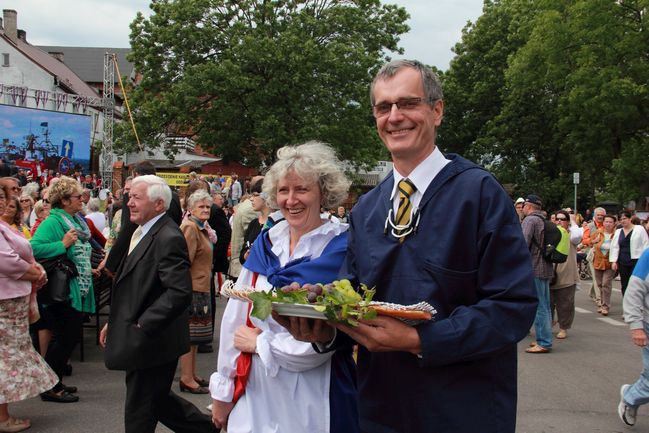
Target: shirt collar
{"x":144,"y":228}
{"x":423,"y":174}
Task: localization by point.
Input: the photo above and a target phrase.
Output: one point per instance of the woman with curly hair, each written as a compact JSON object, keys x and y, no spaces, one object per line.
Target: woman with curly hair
{"x":290,"y":386}
{"x":65,"y":235}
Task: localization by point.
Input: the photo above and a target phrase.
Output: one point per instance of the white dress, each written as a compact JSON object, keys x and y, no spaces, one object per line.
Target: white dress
{"x":288,"y":386}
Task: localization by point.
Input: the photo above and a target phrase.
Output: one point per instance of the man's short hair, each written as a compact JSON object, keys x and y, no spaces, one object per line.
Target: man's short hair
{"x":143,"y":168}
{"x":157,"y":188}
{"x":430,"y":80}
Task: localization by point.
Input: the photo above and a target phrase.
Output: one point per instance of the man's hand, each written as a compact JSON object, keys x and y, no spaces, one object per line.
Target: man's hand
{"x":245,"y":338}
{"x":614,"y":266}
{"x":102,"y":335}
{"x":102,"y":267}
{"x":639,"y":337}
{"x":307,"y":330}
{"x":220,"y":413}
{"x":384,"y":334}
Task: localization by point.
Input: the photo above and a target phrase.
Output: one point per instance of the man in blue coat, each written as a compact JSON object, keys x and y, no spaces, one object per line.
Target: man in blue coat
{"x":440,"y":229}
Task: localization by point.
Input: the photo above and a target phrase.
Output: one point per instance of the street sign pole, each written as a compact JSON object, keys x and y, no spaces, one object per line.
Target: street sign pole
{"x":575,"y":180}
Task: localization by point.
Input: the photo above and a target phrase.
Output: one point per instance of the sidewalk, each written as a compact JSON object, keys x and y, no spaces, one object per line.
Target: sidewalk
{"x":102,"y":393}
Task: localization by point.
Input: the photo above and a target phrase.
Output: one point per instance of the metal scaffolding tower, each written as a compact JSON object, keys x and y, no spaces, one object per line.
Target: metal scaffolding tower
{"x":108,"y":102}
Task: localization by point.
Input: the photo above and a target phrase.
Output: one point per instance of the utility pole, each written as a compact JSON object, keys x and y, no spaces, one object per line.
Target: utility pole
{"x":575,"y":180}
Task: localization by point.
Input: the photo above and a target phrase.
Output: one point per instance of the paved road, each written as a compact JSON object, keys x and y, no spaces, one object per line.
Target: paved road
{"x":574,"y":389}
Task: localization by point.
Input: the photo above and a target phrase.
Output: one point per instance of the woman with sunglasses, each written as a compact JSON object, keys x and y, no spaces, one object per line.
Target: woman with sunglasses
{"x":562,"y":289}
{"x":26,"y":206}
{"x":66,"y":236}
{"x":628,"y":244}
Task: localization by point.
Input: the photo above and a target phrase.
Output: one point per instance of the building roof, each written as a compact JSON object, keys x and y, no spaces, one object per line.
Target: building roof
{"x":88,"y":62}
{"x":68,"y":80}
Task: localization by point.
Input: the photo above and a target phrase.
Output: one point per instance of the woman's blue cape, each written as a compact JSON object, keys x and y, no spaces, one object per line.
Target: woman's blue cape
{"x":323,"y":269}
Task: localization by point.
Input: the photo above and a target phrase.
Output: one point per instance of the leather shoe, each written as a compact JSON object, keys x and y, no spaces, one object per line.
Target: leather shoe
{"x":197,"y":390}
{"x":205,"y":348}
{"x":63,"y":397}
{"x":201,"y":382}
{"x":537,"y":349}
{"x":69,"y":389}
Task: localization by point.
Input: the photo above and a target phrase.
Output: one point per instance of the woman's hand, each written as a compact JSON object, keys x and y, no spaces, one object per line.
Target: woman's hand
{"x":245,"y":339}
{"x":220,"y":413}
{"x":70,"y":238}
{"x":42,"y":280}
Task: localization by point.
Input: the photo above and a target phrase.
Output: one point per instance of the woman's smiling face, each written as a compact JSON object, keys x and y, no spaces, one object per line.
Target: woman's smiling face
{"x":299,"y":201}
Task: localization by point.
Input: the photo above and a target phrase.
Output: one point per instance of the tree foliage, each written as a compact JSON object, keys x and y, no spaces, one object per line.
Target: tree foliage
{"x":247,"y":77}
{"x":561,"y":87}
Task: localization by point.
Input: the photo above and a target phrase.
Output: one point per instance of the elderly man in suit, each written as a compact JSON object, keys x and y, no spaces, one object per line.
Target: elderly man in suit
{"x":148,"y":328}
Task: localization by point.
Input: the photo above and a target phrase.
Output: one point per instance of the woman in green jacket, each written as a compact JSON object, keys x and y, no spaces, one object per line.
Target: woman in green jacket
{"x":65,"y":234}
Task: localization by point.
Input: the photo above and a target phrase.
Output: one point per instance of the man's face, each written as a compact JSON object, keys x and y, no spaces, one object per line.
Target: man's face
{"x":519,"y":207}
{"x":599,"y":216}
{"x":127,"y":186}
{"x":341,"y":211}
{"x":527,"y":208}
{"x":142,"y":209}
{"x":85,"y":197}
{"x":409,"y":134}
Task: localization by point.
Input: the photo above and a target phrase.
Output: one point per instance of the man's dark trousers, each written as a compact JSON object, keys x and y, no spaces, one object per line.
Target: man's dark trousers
{"x":149,"y":400}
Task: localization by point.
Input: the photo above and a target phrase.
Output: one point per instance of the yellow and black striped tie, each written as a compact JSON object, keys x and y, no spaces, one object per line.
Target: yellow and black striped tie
{"x":406,"y":189}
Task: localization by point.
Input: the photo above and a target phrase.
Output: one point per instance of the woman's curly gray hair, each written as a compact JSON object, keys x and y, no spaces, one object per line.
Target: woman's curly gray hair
{"x":312,"y":161}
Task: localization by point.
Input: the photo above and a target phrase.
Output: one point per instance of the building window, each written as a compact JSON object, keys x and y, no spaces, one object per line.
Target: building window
{"x":5,"y":59}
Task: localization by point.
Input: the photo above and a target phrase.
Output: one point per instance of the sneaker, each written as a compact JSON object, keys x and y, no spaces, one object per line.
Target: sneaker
{"x":626,"y":413}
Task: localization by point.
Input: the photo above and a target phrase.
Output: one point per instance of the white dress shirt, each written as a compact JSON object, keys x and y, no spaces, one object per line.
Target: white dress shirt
{"x":421,"y":177}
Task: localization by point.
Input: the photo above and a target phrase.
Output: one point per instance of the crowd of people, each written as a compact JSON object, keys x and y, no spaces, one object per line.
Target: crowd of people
{"x":612,"y":245}
{"x":489,"y":277}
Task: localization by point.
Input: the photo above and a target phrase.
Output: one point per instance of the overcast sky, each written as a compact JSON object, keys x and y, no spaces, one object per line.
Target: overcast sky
{"x":435,"y":25}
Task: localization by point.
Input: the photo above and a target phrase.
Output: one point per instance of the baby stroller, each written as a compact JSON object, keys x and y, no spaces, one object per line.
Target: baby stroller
{"x":582,"y":266}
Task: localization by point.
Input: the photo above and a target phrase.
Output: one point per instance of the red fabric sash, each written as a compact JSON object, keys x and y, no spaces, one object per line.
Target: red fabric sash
{"x":244,"y":361}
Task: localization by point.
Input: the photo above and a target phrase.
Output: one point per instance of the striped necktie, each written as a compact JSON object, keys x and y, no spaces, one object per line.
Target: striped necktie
{"x":137,"y":234}
{"x":406,"y":189}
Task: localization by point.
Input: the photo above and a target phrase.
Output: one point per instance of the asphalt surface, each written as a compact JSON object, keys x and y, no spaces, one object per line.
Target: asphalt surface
{"x":574,"y":389}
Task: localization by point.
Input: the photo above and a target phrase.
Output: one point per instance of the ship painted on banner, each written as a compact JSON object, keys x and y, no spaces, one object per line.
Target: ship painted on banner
{"x":40,"y":140}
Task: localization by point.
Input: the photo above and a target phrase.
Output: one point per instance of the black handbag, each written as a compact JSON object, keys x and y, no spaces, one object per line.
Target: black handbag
{"x":59,"y":270}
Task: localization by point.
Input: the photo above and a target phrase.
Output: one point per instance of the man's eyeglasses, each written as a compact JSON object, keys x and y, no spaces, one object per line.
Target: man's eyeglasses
{"x":403,"y":105}
{"x":561,"y":219}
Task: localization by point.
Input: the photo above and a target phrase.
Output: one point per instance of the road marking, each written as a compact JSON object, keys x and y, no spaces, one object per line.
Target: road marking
{"x":583,"y":310}
{"x":611,"y":321}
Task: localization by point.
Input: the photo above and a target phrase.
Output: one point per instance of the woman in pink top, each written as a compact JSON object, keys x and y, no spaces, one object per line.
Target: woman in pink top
{"x":23,"y":373}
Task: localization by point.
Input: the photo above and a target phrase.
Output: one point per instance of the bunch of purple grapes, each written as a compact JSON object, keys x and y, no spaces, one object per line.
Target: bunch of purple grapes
{"x":312,"y":290}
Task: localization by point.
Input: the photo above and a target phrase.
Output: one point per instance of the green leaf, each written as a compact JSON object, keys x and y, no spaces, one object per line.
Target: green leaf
{"x":261,"y":305}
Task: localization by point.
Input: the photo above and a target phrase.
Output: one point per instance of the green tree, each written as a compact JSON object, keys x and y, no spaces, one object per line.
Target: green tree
{"x":561,"y":88}
{"x":247,"y":77}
